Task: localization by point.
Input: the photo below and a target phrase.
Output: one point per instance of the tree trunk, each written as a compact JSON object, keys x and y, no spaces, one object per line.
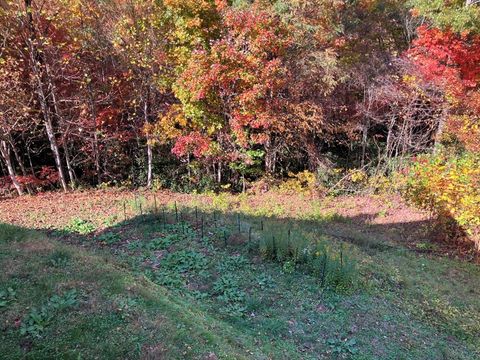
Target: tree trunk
{"x":96,"y":153}
{"x":313,"y":154}
{"x":150,"y":164}
{"x":219,"y":172}
{"x":11,"y":171}
{"x":56,"y":152}
{"x":364,"y":142}
{"x":18,"y":157}
{"x":20,"y":163}
{"x":36,"y":61}
{"x":149,"y":144}
{"x":71,"y":173}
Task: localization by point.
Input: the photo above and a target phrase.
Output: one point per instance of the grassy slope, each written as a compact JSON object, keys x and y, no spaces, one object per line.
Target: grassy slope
{"x":156,"y":325}
{"x":409,"y":306}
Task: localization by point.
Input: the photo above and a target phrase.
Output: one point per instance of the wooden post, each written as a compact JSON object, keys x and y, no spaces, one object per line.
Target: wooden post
{"x":124,"y":211}
{"x":155,"y":203}
{"x":176,"y":212}
{"x":341,"y":255}
{"x":324,"y":269}
{"x":274,"y":248}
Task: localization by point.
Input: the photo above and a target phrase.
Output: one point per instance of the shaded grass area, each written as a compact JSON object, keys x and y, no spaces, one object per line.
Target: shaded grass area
{"x":192,"y":283}
{"x":118,"y":314}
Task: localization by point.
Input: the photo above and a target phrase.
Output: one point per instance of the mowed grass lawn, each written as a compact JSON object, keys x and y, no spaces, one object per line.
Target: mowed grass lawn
{"x":191,"y":284}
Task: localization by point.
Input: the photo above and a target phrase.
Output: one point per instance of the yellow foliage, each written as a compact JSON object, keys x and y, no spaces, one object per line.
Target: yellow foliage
{"x":450,"y":188}
{"x":301,"y":182}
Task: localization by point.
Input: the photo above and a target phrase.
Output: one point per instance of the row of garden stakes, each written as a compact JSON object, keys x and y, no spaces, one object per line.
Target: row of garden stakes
{"x":164,"y":219}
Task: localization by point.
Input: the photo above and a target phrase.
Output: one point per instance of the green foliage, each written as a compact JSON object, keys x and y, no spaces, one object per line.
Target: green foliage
{"x":59,"y":258}
{"x":227,"y":290}
{"x":7,"y":296}
{"x":109,"y":238}
{"x":184,"y":261}
{"x":232,"y":264}
{"x":38,"y":319}
{"x":334,"y":268}
{"x":79,"y":226}
{"x":162,"y":243}
{"x":449,"y":14}
{"x":343,"y":346}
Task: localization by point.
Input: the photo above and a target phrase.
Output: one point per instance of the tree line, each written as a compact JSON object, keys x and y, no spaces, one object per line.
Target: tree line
{"x":202,"y":93}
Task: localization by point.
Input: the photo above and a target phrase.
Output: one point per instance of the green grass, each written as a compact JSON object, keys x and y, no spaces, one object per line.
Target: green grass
{"x":154,"y":287}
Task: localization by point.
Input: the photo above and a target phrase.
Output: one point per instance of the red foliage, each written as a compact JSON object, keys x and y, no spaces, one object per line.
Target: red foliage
{"x":244,"y":69}
{"x":193,"y":143}
{"x":47,"y":176}
{"x":448,"y":59}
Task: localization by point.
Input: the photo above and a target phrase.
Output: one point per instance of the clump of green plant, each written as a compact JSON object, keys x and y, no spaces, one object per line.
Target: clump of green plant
{"x":232,"y":263}
{"x":167,"y":278}
{"x":80,"y":226}
{"x":109,"y":238}
{"x":36,"y":321}
{"x":343,"y":346}
{"x":59,"y":259}
{"x":7,"y":296}
{"x":184,"y":260}
{"x":265,"y":281}
{"x":333,"y":268}
{"x":228,"y":291}
{"x":161,"y":243}
{"x":125,"y":306}
{"x":110,"y":221}
{"x":39,"y":318}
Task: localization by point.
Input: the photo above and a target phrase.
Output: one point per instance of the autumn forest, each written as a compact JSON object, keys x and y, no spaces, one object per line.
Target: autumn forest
{"x":240,"y":179}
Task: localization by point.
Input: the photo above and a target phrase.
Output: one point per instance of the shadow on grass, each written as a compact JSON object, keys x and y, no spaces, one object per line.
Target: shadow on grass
{"x":280,"y":306}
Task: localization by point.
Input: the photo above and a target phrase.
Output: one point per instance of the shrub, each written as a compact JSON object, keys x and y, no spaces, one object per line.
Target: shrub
{"x":302,"y":182}
{"x":449,"y":187}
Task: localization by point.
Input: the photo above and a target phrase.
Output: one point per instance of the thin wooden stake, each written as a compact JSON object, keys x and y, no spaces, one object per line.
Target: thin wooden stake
{"x":249,"y":237}
{"x":239,"y":225}
{"x":261,"y":225}
{"x":288,"y":240}
{"x":124,"y":211}
{"x":176,"y":212}
{"x":341,"y":255}
{"x":164,"y":219}
{"x":274,"y":248}
{"x":155,"y":202}
{"x":324,"y":270}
